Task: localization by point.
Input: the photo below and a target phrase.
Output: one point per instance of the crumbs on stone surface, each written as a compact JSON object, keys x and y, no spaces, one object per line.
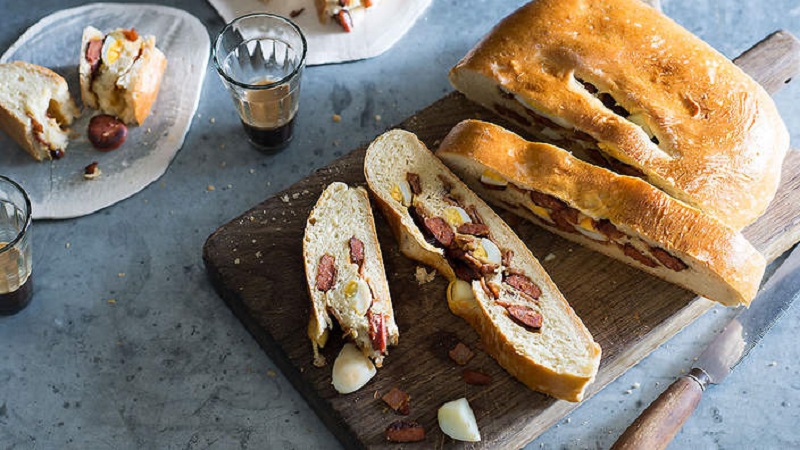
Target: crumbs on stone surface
{"x":337,"y":118}
{"x":285,"y":198}
{"x":258,"y":254}
{"x":549,"y":257}
{"x":236,"y":261}
{"x":423,"y":276}
{"x":210,"y":187}
{"x":121,"y":274}
{"x":67,"y":245}
{"x":111,"y":301}
{"x":271,"y":373}
{"x":212,"y":120}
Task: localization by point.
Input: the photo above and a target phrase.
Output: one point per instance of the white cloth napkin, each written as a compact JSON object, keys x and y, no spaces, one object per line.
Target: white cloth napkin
{"x":373,"y":32}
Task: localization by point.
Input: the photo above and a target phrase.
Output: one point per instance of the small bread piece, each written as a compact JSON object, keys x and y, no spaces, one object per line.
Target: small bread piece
{"x":35,"y":109}
{"x":120,"y":73}
{"x":523,"y":320}
{"x":344,"y":271}
{"x":620,"y":216}
{"x":637,"y":92}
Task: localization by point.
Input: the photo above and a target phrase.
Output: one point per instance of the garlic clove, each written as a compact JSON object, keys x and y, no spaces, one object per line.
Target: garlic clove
{"x":351,"y":370}
{"x":457,"y":420}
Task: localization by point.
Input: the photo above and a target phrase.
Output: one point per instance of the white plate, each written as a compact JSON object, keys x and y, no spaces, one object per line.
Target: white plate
{"x":57,"y":188}
{"x":373,"y":32}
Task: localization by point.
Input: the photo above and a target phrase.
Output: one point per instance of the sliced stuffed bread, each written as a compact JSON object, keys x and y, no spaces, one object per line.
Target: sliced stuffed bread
{"x":636,"y":92}
{"x":120,"y":73}
{"x":344,"y":271}
{"x":35,"y":109}
{"x":496,"y":283}
{"x":621,"y":216}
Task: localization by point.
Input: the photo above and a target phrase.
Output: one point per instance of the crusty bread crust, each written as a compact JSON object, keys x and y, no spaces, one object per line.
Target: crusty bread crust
{"x":341,"y":198}
{"x":567,"y":381}
{"x":723,"y":265}
{"x":35,"y":108}
{"x":721,"y":139}
{"x":146,"y":81}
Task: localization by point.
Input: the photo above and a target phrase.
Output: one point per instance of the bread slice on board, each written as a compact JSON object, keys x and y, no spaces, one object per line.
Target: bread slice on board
{"x":120,"y":73}
{"x":523,"y":320}
{"x":35,"y":109}
{"x":636,"y":92}
{"x":621,"y":216}
{"x":345,"y":275}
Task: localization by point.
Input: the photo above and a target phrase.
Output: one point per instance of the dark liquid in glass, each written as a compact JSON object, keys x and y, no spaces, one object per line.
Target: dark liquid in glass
{"x":16,"y":301}
{"x":270,"y":138}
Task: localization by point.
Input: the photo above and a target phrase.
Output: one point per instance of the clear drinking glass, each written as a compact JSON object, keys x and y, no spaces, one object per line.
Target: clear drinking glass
{"x":16,"y":283}
{"x":260,"y":59}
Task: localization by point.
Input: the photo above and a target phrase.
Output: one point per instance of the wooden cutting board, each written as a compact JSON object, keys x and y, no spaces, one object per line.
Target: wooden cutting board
{"x":256,"y":266}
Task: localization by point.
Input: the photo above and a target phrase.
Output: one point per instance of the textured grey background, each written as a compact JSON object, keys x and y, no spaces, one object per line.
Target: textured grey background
{"x":168,"y":366}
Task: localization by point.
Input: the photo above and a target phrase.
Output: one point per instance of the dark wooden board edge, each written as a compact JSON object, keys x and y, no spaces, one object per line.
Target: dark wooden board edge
{"x":640,"y":347}
{"x":335,"y":423}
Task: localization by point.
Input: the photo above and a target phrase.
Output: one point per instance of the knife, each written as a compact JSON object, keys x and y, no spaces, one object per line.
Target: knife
{"x":656,"y":427}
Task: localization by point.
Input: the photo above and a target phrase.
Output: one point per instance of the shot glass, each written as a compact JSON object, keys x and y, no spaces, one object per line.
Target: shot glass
{"x":260,"y":59}
{"x":16,"y":283}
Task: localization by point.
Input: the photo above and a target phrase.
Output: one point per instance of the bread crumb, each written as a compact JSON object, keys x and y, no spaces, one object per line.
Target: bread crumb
{"x":252,"y":171}
{"x":148,"y":130}
{"x":337,"y":118}
{"x":295,"y":196}
{"x":121,"y":274}
{"x":111,"y":301}
{"x":773,"y":364}
{"x":423,"y":276}
{"x":549,"y":257}
{"x":210,"y":187}
{"x":629,"y":391}
{"x":285,"y":198}
{"x":258,"y":254}
{"x":67,"y":245}
{"x":271,"y":373}
{"x":377,"y":117}
{"x":636,"y":385}
{"x":212,"y":120}
{"x":569,"y":419}
{"x":236,"y":261}
{"x":229,"y":187}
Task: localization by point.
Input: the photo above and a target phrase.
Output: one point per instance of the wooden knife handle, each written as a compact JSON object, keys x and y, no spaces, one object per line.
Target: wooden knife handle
{"x":661,"y":421}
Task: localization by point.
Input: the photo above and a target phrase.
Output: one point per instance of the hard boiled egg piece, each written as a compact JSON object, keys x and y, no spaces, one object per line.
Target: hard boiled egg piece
{"x":457,"y":420}
{"x":351,"y":370}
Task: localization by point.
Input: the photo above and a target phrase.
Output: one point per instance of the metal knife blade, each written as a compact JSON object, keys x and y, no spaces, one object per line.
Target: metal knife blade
{"x":661,"y":421}
{"x":747,"y":328}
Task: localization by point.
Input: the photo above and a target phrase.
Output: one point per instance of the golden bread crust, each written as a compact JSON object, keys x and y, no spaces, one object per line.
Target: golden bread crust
{"x":147,"y":80}
{"x":731,"y":264}
{"x":721,"y":139}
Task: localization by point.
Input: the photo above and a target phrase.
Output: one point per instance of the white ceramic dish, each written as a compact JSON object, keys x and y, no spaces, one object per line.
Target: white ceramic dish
{"x":373,"y":33}
{"x":57,"y":188}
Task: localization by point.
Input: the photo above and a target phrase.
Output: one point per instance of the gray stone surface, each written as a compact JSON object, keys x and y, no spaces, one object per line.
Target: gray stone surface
{"x":168,"y":366}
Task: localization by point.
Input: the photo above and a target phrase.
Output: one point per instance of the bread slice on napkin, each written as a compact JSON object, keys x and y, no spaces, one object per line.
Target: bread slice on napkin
{"x":345,"y":275}
{"x":35,"y":109}
{"x":620,"y":216}
{"x":120,"y":73}
{"x":523,"y":320}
